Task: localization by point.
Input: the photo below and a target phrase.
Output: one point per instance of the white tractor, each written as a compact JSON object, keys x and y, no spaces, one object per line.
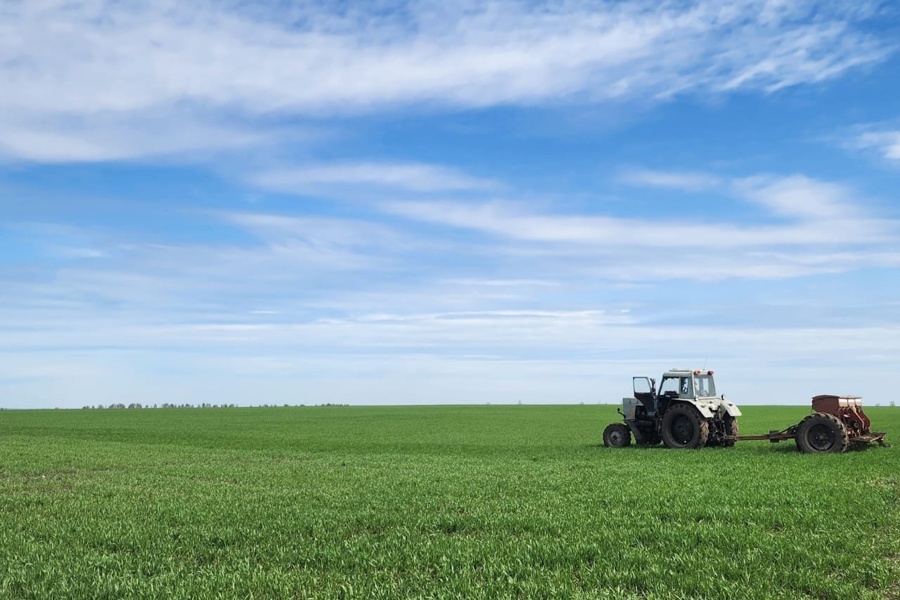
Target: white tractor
{"x":684,"y":413}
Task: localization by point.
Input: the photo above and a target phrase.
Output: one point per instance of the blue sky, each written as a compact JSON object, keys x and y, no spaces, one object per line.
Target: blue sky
{"x":431,"y":202}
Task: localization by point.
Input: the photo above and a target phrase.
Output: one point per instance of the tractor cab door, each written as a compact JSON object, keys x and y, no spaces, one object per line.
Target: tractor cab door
{"x":645,"y":391}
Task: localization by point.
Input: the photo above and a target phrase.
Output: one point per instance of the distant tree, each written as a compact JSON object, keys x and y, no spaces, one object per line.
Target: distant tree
{"x":893,"y":404}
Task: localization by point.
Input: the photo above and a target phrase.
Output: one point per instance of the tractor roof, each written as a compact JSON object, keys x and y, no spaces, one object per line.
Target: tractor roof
{"x":685,"y":372}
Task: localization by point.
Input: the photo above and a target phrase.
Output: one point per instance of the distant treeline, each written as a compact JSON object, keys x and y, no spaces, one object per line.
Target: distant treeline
{"x":138,"y":405}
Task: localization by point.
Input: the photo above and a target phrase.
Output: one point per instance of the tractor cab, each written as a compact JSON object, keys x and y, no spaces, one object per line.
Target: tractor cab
{"x":688,"y":385}
{"x":677,"y":384}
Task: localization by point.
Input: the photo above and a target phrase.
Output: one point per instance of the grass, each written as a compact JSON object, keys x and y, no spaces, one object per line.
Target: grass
{"x":433,"y":502}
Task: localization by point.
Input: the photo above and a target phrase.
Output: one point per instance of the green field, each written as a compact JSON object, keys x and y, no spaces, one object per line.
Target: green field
{"x":433,"y":502}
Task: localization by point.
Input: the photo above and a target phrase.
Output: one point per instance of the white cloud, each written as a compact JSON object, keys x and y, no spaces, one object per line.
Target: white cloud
{"x":511,"y":221}
{"x":416,"y":177}
{"x":277,"y":229}
{"x":800,"y":197}
{"x":688,"y":181}
{"x":503,"y":283}
{"x":886,"y":142}
{"x":98,"y":136}
{"x":803,"y":56}
{"x":76,"y":73}
{"x":803,"y":227}
{"x":792,"y":196}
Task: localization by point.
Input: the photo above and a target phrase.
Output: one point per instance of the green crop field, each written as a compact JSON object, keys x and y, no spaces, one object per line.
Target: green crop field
{"x":433,"y":502}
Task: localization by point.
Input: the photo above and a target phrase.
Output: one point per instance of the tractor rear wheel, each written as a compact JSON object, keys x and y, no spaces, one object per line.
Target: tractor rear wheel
{"x":684,"y":427}
{"x":731,"y":430}
{"x":822,"y":433}
{"x":616,"y":435}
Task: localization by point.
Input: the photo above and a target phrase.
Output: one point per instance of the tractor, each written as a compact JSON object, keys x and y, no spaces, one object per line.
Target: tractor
{"x":684,"y":413}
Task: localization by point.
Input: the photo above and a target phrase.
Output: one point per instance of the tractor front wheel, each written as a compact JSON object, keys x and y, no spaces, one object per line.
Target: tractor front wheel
{"x":616,"y":435}
{"x":822,"y":433}
{"x":684,"y":427}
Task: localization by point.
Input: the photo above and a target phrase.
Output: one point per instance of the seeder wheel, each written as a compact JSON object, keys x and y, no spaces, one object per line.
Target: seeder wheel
{"x":822,"y":433}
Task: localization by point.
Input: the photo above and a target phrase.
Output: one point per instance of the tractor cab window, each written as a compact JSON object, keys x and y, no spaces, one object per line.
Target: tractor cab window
{"x":705,"y":386}
{"x":676,"y":387}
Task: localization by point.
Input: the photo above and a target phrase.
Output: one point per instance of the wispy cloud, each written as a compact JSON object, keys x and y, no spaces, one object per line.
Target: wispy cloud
{"x":415,"y":177}
{"x":886,"y":142}
{"x":814,"y":213}
{"x":677,"y":180}
{"x":801,"y":197}
{"x":77,"y":72}
{"x":792,"y":197}
{"x":801,"y":226}
{"x":503,"y":283}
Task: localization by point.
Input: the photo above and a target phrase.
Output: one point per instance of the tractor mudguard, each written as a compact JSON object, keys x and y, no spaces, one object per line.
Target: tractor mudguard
{"x":730,"y":408}
{"x":703,"y":409}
